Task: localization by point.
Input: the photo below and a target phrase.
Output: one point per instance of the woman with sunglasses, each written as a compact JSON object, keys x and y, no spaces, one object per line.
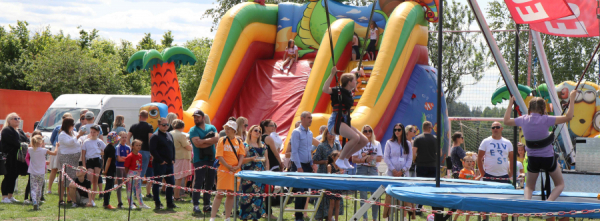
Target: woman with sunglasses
{"x":268,"y":127}
{"x":242,"y":126}
{"x":540,"y":151}
{"x":367,"y":160}
{"x":12,"y":137}
{"x":397,"y":156}
{"x":251,"y":207}
{"x":341,"y":116}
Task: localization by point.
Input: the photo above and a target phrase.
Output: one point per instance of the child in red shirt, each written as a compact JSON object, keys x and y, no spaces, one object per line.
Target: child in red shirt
{"x":133,"y":168}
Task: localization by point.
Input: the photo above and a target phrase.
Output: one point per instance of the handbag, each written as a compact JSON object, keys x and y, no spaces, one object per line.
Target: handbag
{"x":22,"y":153}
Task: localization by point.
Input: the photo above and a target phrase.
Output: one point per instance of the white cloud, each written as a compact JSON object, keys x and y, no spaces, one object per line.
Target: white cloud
{"x":279,"y":26}
{"x":340,"y":16}
{"x":363,"y":18}
{"x":353,"y":11}
{"x":285,"y":19}
{"x":115,"y":20}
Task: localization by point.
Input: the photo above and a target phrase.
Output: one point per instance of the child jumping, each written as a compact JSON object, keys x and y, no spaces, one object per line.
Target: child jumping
{"x":37,"y":168}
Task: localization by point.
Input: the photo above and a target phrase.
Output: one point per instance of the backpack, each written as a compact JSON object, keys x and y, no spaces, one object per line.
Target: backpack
{"x":22,"y":153}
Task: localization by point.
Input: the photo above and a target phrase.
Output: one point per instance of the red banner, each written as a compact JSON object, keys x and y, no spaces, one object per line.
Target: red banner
{"x":583,"y":22}
{"x":534,"y":11}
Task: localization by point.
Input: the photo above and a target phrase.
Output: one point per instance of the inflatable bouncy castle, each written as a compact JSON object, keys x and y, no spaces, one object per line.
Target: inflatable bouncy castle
{"x":243,"y":74}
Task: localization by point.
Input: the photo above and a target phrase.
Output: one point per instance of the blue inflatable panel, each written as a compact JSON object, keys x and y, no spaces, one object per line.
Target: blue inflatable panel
{"x":354,"y":182}
{"x":419,"y":103}
{"x":495,"y":200}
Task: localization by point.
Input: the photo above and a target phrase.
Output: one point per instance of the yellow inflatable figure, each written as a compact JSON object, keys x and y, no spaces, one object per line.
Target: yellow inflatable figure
{"x":155,"y":112}
{"x":586,"y":102}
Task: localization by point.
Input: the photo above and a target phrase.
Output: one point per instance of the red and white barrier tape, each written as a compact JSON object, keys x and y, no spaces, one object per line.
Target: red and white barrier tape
{"x":162,"y":176}
{"x":95,"y":192}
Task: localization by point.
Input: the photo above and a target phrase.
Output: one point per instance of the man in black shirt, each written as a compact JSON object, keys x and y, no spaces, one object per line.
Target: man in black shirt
{"x":163,"y":152}
{"x":142,"y":131}
{"x":424,"y":148}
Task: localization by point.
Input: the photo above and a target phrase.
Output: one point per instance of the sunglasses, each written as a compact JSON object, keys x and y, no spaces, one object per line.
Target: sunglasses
{"x":245,"y":125}
{"x":367,"y":131}
{"x":272,"y":125}
{"x":470,"y":161}
{"x":496,"y":127}
{"x":397,"y":130}
{"x":257,"y":130}
{"x":17,"y":118}
{"x":164,"y":125}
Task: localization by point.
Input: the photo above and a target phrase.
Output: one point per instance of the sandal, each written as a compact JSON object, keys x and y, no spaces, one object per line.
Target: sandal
{"x":178,"y":200}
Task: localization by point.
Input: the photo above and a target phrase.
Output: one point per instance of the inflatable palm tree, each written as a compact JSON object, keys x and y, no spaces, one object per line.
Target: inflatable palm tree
{"x":165,"y":85}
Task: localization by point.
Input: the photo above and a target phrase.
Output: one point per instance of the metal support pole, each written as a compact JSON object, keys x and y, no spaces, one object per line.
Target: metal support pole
{"x":530,"y":42}
{"x":235,"y":187}
{"x":269,"y":212}
{"x":515,"y":114}
{"x":440,"y":69}
{"x":491,"y":41}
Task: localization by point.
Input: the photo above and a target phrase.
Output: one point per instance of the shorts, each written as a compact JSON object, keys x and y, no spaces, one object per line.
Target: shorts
{"x":331,"y":122}
{"x":93,"y":163}
{"x":81,"y":200}
{"x":182,"y":165}
{"x":536,"y":164}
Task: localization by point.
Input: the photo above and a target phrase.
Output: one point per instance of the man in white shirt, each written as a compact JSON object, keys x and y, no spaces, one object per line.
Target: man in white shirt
{"x":495,"y":153}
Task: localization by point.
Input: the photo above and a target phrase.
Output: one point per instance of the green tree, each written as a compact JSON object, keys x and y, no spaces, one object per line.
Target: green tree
{"x":86,"y":38}
{"x":13,"y":44}
{"x":147,"y":43}
{"x":461,"y":55}
{"x":65,"y":68}
{"x":458,"y":109}
{"x":567,"y":57}
{"x":167,"y":40}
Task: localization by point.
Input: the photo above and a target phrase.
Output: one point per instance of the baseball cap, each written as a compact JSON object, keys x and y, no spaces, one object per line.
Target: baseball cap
{"x":89,"y":115}
{"x":95,"y":127}
{"x":198,"y":113}
{"x":231,"y":124}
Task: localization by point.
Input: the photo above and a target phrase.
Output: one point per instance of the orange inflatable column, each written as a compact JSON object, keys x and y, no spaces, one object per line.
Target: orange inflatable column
{"x":165,"y":88}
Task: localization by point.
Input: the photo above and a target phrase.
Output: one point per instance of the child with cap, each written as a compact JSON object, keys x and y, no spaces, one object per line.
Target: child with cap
{"x":91,"y":156}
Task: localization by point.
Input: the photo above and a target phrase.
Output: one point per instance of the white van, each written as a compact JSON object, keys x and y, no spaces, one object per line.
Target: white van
{"x":104,"y":106}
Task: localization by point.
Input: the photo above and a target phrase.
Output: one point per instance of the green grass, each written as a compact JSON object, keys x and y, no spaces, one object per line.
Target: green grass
{"x":49,"y":210}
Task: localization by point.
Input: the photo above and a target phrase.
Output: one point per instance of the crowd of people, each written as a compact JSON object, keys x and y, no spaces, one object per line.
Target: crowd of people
{"x":142,"y":151}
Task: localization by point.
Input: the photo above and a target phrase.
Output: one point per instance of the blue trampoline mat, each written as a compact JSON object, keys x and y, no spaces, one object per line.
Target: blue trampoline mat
{"x":355,"y":182}
{"x":495,"y":200}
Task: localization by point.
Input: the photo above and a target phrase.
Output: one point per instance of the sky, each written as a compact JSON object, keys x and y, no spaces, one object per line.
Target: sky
{"x":130,"y":19}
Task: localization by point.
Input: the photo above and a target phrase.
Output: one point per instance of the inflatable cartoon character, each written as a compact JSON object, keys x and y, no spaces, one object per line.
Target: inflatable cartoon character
{"x":155,"y":112}
{"x":582,"y":125}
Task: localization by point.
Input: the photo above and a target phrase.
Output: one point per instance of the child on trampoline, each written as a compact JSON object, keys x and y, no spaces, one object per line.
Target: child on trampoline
{"x":540,"y":151}
{"x":290,"y":55}
{"x":339,"y":122}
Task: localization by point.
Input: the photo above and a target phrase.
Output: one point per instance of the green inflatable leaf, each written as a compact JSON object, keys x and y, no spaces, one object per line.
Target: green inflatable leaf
{"x":151,"y":58}
{"x":136,"y":61}
{"x":502,"y":93}
{"x":179,"y":55}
